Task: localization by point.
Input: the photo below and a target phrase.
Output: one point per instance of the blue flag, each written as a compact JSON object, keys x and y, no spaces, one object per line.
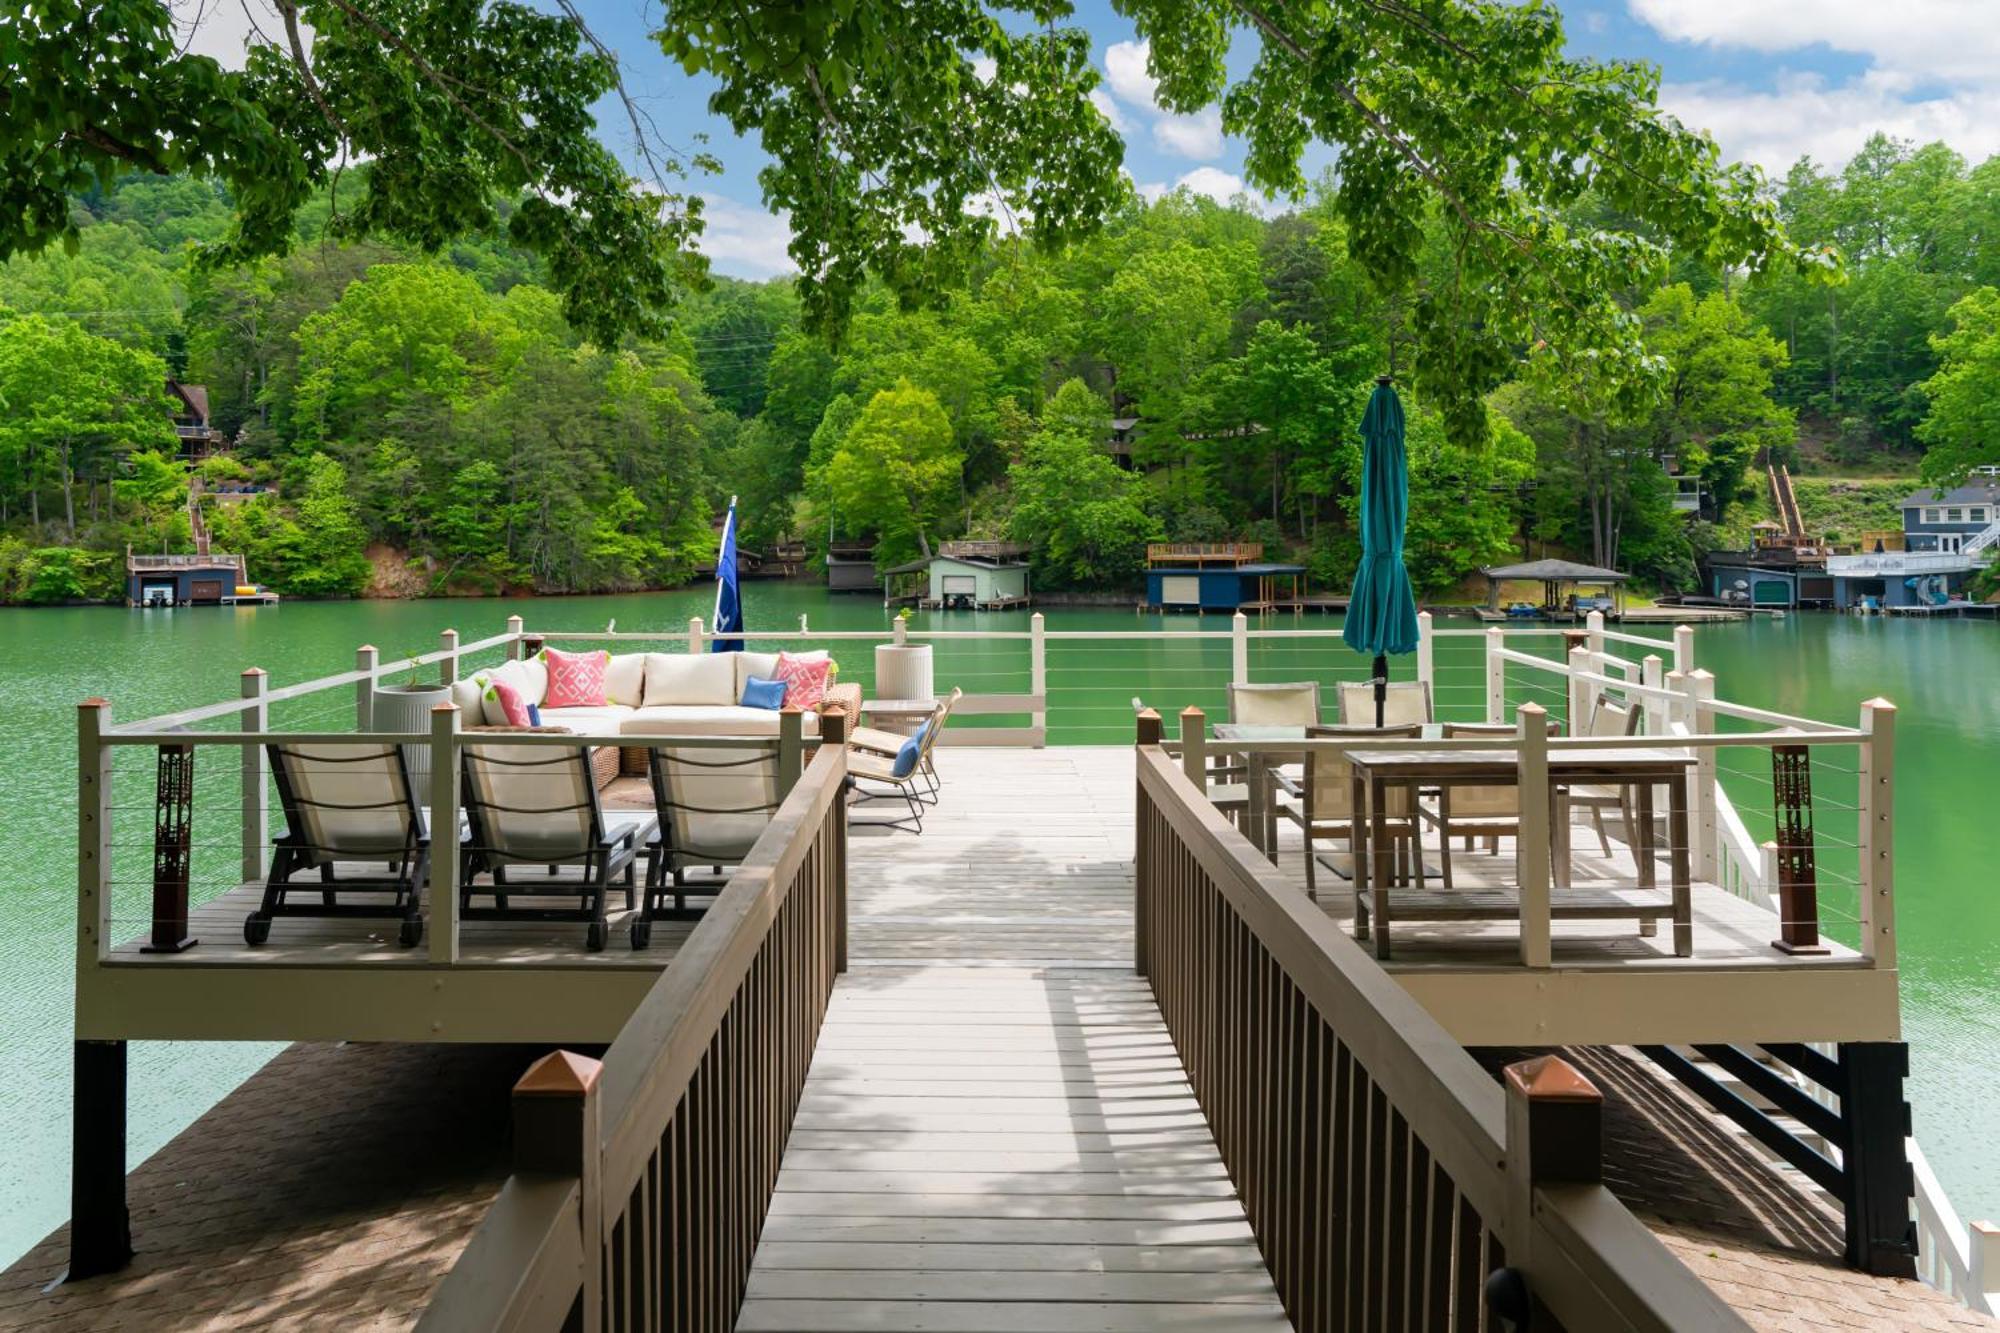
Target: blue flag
{"x":728,"y":597}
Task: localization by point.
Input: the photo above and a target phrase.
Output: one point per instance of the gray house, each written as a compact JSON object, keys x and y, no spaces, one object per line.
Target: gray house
{"x":1950,"y":521}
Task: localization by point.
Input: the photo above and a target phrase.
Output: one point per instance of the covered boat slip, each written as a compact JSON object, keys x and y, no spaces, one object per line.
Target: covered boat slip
{"x":897,"y":1082}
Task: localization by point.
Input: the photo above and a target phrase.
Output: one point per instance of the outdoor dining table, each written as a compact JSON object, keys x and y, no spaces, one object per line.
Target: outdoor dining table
{"x":1375,"y":771}
{"x":1262,"y":769}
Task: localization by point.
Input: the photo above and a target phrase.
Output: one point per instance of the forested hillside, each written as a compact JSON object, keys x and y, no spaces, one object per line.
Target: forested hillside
{"x":1192,"y":372}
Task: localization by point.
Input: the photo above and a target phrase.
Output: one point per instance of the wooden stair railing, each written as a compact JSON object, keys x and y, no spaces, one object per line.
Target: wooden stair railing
{"x":640,"y":1186}
{"x":1390,"y":1182}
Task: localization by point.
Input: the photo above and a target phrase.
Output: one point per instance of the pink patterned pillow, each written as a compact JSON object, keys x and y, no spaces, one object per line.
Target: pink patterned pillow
{"x":805,"y":679}
{"x":511,"y":703}
{"x":576,"y":680}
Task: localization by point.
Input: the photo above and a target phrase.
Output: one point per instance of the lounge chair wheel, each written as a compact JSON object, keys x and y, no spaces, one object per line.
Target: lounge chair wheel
{"x":642,"y":934}
{"x":411,"y":933}
{"x":256,"y":929}
{"x":596,"y":939}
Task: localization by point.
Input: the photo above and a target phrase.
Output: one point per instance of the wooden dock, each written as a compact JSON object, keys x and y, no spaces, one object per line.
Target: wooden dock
{"x":995,"y":1135}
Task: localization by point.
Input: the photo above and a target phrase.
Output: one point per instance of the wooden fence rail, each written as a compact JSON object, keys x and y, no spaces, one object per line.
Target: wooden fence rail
{"x":641,"y":1183}
{"x":1391,"y":1183}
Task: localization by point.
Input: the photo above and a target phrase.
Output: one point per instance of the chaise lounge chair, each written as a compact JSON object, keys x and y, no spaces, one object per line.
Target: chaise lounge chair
{"x":536,"y":806}
{"x":345,"y":802}
{"x":713,"y":803}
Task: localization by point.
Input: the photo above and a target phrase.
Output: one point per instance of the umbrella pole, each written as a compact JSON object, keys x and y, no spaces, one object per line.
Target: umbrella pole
{"x":1381,"y":687}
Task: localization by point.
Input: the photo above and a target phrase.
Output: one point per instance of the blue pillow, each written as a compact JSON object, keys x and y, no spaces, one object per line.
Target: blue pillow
{"x":906,"y":758}
{"x":761,"y":692}
{"x":534,"y":715}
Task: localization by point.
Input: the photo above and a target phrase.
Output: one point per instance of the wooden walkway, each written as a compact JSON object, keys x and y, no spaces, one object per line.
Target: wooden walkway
{"x":997,"y":1133}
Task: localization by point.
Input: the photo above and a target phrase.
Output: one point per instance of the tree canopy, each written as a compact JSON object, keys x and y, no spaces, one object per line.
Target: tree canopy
{"x":1465,"y":137}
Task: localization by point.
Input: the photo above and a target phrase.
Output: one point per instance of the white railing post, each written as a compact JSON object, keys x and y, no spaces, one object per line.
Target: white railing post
{"x":1580,"y":691}
{"x":1496,"y":676}
{"x":367,"y":659}
{"x":899,"y":630}
{"x":1684,"y":648}
{"x":515,"y":625}
{"x":1239,"y":649}
{"x":1877,"y":836}
{"x":1038,"y":676}
{"x":694,"y":634}
{"x":444,"y":833}
{"x":255,"y":718}
{"x":1983,"y":1251}
{"x":93,"y":833}
{"x":1593,"y":629}
{"x":1653,"y":675}
{"x":448,"y":668}
{"x":1700,"y":687}
{"x":1426,"y":662}
{"x":1532,"y":851}
{"x":1767,"y":874}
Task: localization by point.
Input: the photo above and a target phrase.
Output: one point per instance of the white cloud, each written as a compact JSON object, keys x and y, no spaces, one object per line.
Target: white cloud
{"x":224,"y":29}
{"x":1219,"y":185}
{"x":1125,"y":70}
{"x":744,"y":240}
{"x":1807,"y":115}
{"x":984,"y":68}
{"x":1109,"y":109}
{"x":1955,"y":40}
{"x":1933,"y":73}
{"x":1198,"y":136}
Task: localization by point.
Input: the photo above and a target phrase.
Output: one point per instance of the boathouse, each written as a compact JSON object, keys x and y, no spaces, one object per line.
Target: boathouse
{"x":850,"y":567}
{"x":969,"y":576}
{"x":1219,"y":576}
{"x":190,"y":580}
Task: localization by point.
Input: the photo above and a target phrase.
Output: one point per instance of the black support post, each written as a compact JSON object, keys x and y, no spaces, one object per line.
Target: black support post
{"x":100,"y":1230}
{"x":1876,"y":1177}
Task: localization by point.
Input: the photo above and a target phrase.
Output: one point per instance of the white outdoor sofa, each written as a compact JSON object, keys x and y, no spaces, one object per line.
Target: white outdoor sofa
{"x":657,"y":694}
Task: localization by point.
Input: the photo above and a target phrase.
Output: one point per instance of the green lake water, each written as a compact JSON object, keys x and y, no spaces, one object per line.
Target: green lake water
{"x":1945,"y":677}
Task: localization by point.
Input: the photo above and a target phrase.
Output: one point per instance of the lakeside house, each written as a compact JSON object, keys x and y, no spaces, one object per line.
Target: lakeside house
{"x":1947,"y":536}
{"x":192,"y":426}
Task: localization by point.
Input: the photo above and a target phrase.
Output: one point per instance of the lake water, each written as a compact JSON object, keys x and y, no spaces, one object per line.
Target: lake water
{"x":1945,"y":677}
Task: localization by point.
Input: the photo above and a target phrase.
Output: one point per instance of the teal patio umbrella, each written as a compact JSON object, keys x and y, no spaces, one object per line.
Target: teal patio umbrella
{"x":1382,"y":613}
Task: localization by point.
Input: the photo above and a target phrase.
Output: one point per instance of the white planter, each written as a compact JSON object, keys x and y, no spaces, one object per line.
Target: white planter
{"x":903,"y":671}
{"x":407,"y":708}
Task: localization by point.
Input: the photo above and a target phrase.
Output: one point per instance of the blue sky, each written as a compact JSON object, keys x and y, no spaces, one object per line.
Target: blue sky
{"x":1771,"y":79}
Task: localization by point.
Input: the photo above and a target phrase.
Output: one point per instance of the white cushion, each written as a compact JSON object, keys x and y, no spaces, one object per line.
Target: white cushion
{"x":690,"y":678}
{"x":709,"y":720}
{"x":750,"y":664}
{"x":625,"y":679}
{"x":607,"y":721}
{"x":465,"y":693}
{"x":531,"y":678}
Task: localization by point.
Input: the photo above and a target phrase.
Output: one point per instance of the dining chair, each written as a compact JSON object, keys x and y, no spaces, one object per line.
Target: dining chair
{"x":1405,"y":702}
{"x":1324,"y":800}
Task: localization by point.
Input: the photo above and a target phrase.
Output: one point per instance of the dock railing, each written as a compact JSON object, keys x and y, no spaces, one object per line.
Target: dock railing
{"x":641,"y":1183}
{"x":1390,"y":1182}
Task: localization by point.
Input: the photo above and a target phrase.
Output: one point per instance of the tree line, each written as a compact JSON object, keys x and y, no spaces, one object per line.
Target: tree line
{"x":1189,"y":371}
